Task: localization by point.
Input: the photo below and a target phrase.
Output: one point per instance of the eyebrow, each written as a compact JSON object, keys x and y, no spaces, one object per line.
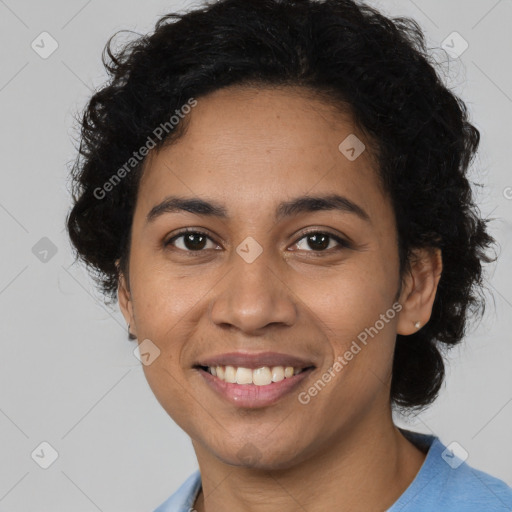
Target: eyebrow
{"x":302,"y":204}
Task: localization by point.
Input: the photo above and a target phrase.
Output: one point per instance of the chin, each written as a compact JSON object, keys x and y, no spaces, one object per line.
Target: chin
{"x":252,"y":455}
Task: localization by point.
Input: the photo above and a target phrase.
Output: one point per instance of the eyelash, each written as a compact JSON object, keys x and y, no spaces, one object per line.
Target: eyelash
{"x":343,"y":244}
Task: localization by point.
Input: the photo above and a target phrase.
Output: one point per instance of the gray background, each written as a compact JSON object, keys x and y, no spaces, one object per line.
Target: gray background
{"x":68,"y":374}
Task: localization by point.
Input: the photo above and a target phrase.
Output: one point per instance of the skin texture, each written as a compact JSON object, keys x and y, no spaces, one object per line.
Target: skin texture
{"x":250,"y":149}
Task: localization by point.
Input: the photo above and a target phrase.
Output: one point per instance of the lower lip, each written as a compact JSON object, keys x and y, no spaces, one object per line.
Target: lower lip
{"x":251,"y":395}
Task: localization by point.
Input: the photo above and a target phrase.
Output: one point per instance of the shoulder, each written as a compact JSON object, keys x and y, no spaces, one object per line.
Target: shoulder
{"x":446,"y":482}
{"x":479,"y":490}
{"x":183,"y":499}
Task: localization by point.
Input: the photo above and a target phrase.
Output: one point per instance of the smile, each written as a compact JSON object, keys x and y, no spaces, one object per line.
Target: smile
{"x":263,"y":376}
{"x":253,"y":380}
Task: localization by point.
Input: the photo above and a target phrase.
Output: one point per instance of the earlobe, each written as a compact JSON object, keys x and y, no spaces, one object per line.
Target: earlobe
{"x":125,"y":303}
{"x":419,"y":291}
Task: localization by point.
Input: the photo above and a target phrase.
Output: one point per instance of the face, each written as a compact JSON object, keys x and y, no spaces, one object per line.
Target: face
{"x":264,"y":282}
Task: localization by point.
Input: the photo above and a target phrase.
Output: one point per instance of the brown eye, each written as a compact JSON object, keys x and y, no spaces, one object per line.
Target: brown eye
{"x":320,"y":241}
{"x":191,"y":241}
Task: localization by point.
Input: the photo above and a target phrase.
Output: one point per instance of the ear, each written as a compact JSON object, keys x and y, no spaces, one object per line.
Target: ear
{"x":419,"y":290}
{"x":125,"y":301}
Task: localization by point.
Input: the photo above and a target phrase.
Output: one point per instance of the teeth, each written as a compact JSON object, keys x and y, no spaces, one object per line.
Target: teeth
{"x":277,"y":373}
{"x":230,"y":374}
{"x":243,"y":376}
{"x":260,"y":376}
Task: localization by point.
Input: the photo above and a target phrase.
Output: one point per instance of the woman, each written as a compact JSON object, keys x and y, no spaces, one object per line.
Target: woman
{"x":277,"y":194}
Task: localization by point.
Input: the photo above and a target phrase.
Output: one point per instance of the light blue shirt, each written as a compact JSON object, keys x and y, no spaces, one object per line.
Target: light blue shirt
{"x":444,"y":483}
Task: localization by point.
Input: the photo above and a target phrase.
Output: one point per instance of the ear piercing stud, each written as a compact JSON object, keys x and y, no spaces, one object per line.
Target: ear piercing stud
{"x":131,"y":336}
{"x":417,"y":324}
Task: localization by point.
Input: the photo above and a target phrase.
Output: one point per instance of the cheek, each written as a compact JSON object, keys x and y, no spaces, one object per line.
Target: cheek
{"x":354,"y":308}
{"x":165,"y":296}
{"x":173,"y":395}
{"x":350,"y":300}
{"x":165,"y":315}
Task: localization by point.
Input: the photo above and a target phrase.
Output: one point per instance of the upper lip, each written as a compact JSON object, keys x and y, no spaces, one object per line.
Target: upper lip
{"x":255,"y":360}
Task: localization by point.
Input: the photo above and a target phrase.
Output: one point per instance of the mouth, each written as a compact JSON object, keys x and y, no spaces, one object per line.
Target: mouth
{"x":253,"y":380}
{"x":262,"y":376}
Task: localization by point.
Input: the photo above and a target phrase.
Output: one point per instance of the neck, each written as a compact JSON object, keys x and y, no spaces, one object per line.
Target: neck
{"x":364,"y":468}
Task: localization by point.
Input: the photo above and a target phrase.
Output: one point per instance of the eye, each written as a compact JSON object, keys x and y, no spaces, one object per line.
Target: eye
{"x":320,"y":241}
{"x":196,"y":241}
{"x":192,"y":241}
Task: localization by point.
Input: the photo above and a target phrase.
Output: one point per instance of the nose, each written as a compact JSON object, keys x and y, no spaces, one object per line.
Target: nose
{"x":253,"y":296}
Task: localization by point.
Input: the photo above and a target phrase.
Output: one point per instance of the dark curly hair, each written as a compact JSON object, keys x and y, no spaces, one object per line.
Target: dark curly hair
{"x":354,"y":58}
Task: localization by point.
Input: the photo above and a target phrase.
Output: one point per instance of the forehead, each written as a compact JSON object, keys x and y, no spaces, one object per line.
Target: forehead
{"x":257,"y":146}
